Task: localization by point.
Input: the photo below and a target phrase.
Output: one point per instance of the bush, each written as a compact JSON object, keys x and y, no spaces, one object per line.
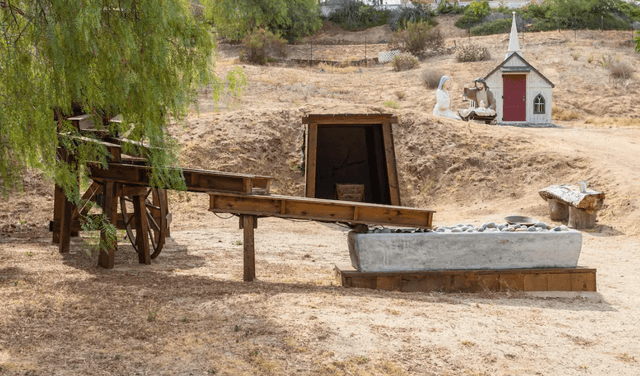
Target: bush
{"x":431,"y":78}
{"x":446,"y":7}
{"x":356,"y":15}
{"x":620,"y":70}
{"x":416,"y":38}
{"x":404,"y":61}
{"x":400,"y":17}
{"x":304,"y":19}
{"x":474,"y":14}
{"x":472,"y":52}
{"x":493,"y":27}
{"x":262,"y":46}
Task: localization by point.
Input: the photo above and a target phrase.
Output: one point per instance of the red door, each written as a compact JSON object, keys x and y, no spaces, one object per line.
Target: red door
{"x":514,"y":104}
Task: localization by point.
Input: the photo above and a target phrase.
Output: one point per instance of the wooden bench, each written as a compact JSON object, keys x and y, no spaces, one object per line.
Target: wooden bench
{"x":569,"y":203}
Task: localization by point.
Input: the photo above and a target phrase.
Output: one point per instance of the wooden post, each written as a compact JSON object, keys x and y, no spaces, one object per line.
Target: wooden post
{"x":580,"y":218}
{"x":142,"y":229}
{"x":106,"y":259}
{"x":65,"y":211}
{"x":558,"y":211}
{"x":311,"y":154}
{"x":390,"y":157}
{"x":248,"y":223}
{"x":58,"y":196}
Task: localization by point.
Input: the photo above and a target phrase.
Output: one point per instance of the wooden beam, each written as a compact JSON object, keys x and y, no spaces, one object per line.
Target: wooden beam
{"x":320,"y":210}
{"x":248,"y":222}
{"x":106,"y":259}
{"x":390,"y":157}
{"x":349,"y":119}
{"x":142,"y":230}
{"x":58,"y":197}
{"x":65,"y":225}
{"x":311,"y":155}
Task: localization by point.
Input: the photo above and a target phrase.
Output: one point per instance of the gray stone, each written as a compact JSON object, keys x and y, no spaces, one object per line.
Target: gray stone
{"x":385,"y":231}
{"x":541,"y":225}
{"x":457,"y":229}
{"x":531,"y":229}
{"x":431,"y":251}
{"x":491,"y":224}
{"x":471,"y":230}
{"x":500,"y":227}
{"x":564,"y":228}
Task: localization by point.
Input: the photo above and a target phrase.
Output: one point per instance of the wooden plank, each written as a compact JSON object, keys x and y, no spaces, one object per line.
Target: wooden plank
{"x":390,"y":157}
{"x":583,"y":282}
{"x":311,"y":154}
{"x":142,"y":230}
{"x":464,"y":283}
{"x":348,"y":119}
{"x":559,"y":282}
{"x":488,"y":282}
{"x":106,"y":258}
{"x":65,"y":226}
{"x":511,"y":281}
{"x":363,"y":282}
{"x":320,"y":210}
{"x":536,"y":282}
{"x":134,"y":190}
{"x":249,"y":248}
{"x":58,"y":197}
{"x":389,"y":283}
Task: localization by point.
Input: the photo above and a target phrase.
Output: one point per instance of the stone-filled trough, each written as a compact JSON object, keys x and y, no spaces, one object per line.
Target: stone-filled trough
{"x":465,"y":247}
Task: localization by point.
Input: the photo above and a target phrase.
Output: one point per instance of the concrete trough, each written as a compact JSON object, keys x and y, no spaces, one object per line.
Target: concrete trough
{"x":424,"y":251}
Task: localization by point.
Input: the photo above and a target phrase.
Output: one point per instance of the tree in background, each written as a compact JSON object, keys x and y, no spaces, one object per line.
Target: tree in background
{"x":235,"y":19}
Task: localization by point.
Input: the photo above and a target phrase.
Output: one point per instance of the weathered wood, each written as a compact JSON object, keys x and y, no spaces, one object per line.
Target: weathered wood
{"x":320,"y":210}
{"x":248,"y":222}
{"x":65,"y":225}
{"x":114,"y":149}
{"x":558,"y":211}
{"x":106,"y":259}
{"x":58,"y":197}
{"x":349,"y":119}
{"x":590,"y":201}
{"x":311,"y":154}
{"x":205,"y":181}
{"x":547,"y":279}
{"x":142,"y":230}
{"x":390,"y":157}
{"x":580,"y":219}
{"x":350,"y":192}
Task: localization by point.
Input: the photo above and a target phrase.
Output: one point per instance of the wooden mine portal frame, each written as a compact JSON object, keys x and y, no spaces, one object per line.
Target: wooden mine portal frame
{"x":144,"y":212}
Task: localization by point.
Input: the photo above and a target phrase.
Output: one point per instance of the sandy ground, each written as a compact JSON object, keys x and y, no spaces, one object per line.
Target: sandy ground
{"x":189,"y":313}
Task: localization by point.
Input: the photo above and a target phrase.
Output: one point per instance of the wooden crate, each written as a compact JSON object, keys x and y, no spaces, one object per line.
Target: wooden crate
{"x":350,"y":192}
{"x":351,"y":149}
{"x":544,"y":279}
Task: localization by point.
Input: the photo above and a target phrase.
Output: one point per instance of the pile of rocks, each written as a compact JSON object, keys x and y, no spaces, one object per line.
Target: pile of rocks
{"x":485,"y":227}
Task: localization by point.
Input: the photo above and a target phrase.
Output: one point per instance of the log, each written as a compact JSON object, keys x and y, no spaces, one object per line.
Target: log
{"x":106,"y":259}
{"x":558,"y":211}
{"x":248,"y":222}
{"x":579,"y":218}
{"x":591,"y":201}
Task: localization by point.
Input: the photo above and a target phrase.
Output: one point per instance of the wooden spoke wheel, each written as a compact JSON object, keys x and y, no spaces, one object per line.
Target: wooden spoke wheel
{"x":156,"y":214}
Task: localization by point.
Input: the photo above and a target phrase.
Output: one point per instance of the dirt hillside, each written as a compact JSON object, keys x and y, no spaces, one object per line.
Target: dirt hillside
{"x":190,"y":313}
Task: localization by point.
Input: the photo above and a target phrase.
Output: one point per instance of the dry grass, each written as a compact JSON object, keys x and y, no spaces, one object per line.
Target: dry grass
{"x":621,"y":70}
{"x":404,"y":61}
{"x":334,"y":69}
{"x":431,"y":78}
{"x":562,"y":114}
{"x":611,"y":121}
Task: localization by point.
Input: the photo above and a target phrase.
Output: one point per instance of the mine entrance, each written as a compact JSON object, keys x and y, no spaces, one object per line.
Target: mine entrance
{"x":352,"y":154}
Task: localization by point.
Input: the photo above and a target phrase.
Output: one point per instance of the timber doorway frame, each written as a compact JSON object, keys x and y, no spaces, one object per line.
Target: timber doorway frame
{"x":384,"y":121}
{"x":512,"y":108}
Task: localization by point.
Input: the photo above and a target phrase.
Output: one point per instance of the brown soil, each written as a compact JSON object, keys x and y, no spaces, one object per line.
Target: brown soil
{"x":190,"y":313}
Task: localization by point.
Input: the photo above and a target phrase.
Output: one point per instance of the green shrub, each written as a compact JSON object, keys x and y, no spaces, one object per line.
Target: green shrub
{"x":356,"y":15}
{"x":416,"y":38}
{"x":304,"y":19}
{"x":543,"y":25}
{"x":404,"y":61}
{"x":446,"y":7}
{"x":400,"y":17}
{"x":471,"y":52}
{"x":262,"y":46}
{"x":493,"y":27}
{"x":474,"y":14}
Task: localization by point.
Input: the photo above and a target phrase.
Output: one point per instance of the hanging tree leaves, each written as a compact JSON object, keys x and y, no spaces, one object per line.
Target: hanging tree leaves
{"x":142,"y":59}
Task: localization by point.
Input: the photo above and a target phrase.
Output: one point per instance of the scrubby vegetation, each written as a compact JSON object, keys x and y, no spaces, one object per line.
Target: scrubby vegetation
{"x":261,"y":46}
{"x":357,"y":15}
{"x":431,"y":78}
{"x":472,"y":52}
{"x":417,"y":38}
{"x":400,"y":17}
{"x":404,"y":61}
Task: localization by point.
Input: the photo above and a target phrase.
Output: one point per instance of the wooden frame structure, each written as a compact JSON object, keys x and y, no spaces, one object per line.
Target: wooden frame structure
{"x":546,"y":279}
{"x":383,"y":122}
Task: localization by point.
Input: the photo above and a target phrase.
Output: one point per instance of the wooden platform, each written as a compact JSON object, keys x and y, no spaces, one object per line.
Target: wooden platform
{"x":319,"y":210}
{"x":548,"y":279}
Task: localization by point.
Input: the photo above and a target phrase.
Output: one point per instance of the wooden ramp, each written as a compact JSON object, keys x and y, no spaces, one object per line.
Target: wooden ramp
{"x":250,"y":207}
{"x":544,"y":279}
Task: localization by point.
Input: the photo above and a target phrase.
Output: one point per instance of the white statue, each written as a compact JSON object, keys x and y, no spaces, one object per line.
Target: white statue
{"x":442,"y":107}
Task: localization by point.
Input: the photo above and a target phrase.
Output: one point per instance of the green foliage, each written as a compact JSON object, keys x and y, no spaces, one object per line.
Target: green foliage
{"x":629,"y":10}
{"x":449,"y":7}
{"x":493,"y":27}
{"x":392,"y":104}
{"x":235,"y":19}
{"x":356,"y":15}
{"x":262,"y":46}
{"x":403,"y":15}
{"x":637,"y":41}
{"x":404,"y":61}
{"x":417,"y":37}
{"x":141,"y":59}
{"x":474,"y":14}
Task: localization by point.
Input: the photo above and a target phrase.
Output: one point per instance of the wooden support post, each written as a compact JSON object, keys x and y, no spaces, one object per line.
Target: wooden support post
{"x":390,"y":157}
{"x":65,"y":225}
{"x":581,"y":219}
{"x":142,"y":229}
{"x":248,"y":223}
{"x":58,"y":196}
{"x":106,"y":259}
{"x":558,"y":211}
{"x":311,"y":154}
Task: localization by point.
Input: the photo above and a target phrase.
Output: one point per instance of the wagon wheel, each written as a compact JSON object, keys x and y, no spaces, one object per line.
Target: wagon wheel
{"x":156,"y":212}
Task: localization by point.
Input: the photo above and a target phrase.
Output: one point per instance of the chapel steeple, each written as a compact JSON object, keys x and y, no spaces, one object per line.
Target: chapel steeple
{"x":514,"y":45}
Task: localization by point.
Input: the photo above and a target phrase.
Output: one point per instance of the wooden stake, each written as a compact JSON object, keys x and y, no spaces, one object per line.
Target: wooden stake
{"x":390,"y":156}
{"x":65,"y":225}
{"x":106,"y":259}
{"x":248,"y":222}
{"x":57,"y":211}
{"x":311,"y":155}
{"x":142,"y":230}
